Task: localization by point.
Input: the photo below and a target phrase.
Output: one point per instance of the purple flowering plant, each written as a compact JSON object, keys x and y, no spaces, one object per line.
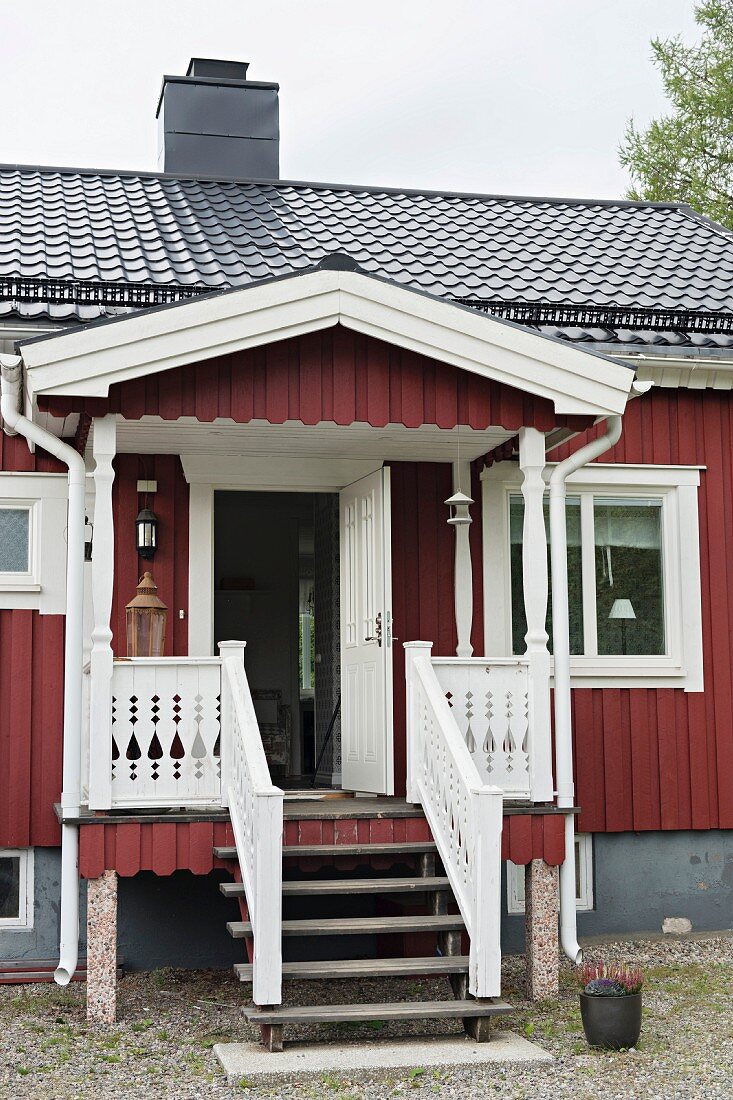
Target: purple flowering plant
{"x":600,"y":979}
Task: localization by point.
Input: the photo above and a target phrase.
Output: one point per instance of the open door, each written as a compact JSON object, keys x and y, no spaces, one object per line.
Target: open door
{"x":367,"y":760}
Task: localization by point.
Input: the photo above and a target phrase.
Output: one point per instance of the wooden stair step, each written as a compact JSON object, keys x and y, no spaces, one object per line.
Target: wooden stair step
{"x":348,"y":886}
{"x":404,"y":1010}
{"x":296,"y":851}
{"x":365,"y":968}
{"x":349,"y":926}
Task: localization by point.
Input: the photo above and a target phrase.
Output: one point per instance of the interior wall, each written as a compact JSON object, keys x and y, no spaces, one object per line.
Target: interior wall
{"x":327,"y":633}
{"x":256,"y":593}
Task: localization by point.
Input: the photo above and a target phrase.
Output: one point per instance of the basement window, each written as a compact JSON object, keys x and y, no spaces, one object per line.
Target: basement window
{"x":16,"y":888}
{"x":583,"y":878}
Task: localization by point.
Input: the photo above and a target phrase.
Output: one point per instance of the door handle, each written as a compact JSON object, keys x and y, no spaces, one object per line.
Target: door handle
{"x":378,"y":636}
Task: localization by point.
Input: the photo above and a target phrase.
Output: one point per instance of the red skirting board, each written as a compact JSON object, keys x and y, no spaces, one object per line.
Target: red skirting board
{"x":158,"y":847}
{"x":165,"y":847}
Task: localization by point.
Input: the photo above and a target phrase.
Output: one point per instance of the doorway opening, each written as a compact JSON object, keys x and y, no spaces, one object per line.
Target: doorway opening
{"x":276,"y":586}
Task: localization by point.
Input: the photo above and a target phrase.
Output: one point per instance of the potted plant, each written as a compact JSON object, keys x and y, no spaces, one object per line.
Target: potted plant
{"x":610,"y":1005}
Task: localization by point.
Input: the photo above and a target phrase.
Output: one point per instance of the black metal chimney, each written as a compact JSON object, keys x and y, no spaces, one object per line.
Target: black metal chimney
{"x":215,"y":122}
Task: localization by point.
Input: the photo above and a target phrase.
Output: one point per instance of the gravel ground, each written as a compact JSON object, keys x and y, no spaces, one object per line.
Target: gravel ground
{"x":170,"y":1020}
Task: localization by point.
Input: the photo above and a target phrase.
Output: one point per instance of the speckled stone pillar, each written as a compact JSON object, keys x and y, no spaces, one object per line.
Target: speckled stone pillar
{"x":541,"y":930}
{"x":102,"y":948}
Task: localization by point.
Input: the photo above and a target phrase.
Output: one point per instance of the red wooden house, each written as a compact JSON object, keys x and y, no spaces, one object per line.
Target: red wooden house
{"x":359,"y":432}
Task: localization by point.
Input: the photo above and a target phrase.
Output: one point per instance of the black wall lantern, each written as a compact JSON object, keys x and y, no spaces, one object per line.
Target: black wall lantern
{"x":146,"y":533}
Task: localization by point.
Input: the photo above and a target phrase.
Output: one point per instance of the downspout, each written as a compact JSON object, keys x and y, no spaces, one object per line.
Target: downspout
{"x":561,"y":650}
{"x":16,"y":423}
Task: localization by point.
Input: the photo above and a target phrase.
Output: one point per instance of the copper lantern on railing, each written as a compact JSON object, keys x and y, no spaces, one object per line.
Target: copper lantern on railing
{"x":146,"y":618}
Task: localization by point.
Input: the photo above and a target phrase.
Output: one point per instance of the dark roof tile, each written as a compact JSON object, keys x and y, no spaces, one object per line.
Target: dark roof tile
{"x":68,"y":224}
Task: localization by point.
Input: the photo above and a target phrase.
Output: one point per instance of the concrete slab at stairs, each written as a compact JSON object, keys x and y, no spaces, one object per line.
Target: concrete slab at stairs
{"x":253,"y":1061}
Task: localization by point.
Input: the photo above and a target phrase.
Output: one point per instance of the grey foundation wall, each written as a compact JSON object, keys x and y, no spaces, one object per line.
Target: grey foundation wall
{"x":42,"y":940}
{"x":179,"y":920}
{"x":641,"y":878}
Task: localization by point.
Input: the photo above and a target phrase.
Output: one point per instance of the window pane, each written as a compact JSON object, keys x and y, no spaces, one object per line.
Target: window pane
{"x":629,"y":589}
{"x":14,"y":528}
{"x":575,"y":574}
{"x":9,"y":886}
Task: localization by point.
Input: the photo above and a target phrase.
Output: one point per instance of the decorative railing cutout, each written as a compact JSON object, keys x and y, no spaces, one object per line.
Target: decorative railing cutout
{"x":489,"y":702}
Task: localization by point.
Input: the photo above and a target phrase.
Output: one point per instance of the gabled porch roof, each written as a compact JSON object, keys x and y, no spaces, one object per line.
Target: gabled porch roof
{"x":86,"y":361}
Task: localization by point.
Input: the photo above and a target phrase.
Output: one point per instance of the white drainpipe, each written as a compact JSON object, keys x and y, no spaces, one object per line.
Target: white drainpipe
{"x":16,"y":423}
{"x":561,"y":650}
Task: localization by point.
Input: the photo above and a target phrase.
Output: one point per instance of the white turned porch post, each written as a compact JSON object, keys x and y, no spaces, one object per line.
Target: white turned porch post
{"x":460,"y":519}
{"x":534,"y":575}
{"x":104,"y":448}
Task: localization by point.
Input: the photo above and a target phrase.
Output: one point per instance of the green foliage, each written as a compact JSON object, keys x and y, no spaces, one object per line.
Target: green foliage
{"x":687,"y":155}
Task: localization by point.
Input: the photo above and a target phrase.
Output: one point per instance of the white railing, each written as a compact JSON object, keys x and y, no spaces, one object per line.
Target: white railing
{"x":491,"y":704}
{"x":256,"y":811}
{"x":165,"y":738}
{"x":463,"y":811}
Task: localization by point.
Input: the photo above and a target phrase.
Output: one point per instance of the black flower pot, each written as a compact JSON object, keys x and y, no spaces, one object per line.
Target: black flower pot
{"x":613,"y":1023}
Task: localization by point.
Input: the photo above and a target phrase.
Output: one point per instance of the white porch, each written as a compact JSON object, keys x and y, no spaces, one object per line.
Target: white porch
{"x":155,"y":736}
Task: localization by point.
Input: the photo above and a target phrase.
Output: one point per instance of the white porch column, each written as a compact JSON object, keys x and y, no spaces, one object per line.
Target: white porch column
{"x":534,"y":575}
{"x":104,"y":448}
{"x":463,"y":575}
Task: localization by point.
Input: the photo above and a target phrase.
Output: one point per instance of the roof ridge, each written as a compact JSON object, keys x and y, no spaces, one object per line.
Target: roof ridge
{"x":549,"y":200}
{"x":696,"y":215}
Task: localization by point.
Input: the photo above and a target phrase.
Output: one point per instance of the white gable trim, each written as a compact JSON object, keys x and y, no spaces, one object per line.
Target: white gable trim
{"x":87,"y":361}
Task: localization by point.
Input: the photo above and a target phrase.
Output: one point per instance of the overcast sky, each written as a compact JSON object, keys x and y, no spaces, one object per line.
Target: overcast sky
{"x":503,"y":96}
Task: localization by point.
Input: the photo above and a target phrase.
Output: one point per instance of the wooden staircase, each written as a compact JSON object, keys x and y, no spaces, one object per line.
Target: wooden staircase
{"x":343,"y":948}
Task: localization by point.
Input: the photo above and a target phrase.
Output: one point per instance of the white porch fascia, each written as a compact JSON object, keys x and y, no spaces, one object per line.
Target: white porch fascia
{"x":86,"y":361}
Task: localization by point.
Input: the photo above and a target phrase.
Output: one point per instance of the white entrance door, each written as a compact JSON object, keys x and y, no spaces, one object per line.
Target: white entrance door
{"x":366,"y":636}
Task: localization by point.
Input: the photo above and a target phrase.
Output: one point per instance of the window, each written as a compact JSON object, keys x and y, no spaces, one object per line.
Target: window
{"x":15,"y":528}
{"x":583,"y":878}
{"x":632,"y":535}
{"x":575,"y":574}
{"x":16,"y":888}
{"x":32,"y":534}
{"x":624,"y":557}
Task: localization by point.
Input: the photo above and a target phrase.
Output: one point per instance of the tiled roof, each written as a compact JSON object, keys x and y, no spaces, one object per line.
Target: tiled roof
{"x":71,"y":225}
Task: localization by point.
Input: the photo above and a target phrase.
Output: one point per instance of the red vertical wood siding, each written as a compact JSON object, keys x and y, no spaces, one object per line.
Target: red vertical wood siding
{"x":170,"y":564}
{"x":335,"y":375}
{"x":31,"y":690}
{"x":645,"y":759}
{"x":662,"y":759}
{"x":423,"y":549}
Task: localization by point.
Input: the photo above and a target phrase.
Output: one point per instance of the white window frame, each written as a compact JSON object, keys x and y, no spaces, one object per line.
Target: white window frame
{"x":677,"y":488}
{"x":24,"y":920}
{"x":43,"y":586}
{"x":25,"y":580}
{"x":584,"y":898}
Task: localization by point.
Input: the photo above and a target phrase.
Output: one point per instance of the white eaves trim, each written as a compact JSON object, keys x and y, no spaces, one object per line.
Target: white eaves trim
{"x":87,"y":361}
{"x":691,"y":372}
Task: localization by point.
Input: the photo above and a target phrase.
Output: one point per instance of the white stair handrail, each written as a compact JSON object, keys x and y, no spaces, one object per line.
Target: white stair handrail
{"x":256,"y":812}
{"x":464,"y":815}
